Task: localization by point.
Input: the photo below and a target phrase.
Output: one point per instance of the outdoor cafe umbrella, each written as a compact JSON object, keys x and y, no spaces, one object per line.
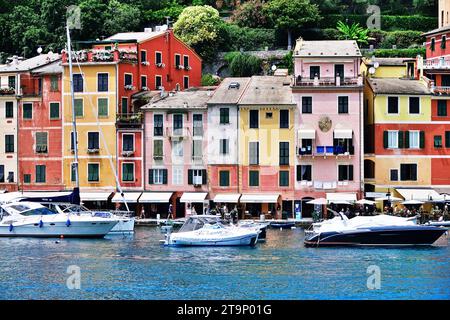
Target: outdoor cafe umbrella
{"x":318,"y":201}
{"x":412,"y":202}
{"x":393,"y":199}
{"x":339,"y":202}
{"x":365,"y":201}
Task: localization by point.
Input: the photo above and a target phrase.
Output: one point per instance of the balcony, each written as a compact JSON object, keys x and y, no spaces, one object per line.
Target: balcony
{"x":7,"y":91}
{"x":324,"y":151}
{"x":441,"y":90}
{"x":325,"y":185}
{"x":177,"y":133}
{"x":437,"y":64}
{"x":300,"y":82}
{"x":86,"y":56}
{"x":129,"y":120}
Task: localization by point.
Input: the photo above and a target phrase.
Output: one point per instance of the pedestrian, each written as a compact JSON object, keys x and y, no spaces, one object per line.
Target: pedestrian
{"x":142,"y":216}
{"x":193,"y":211}
{"x":170,"y":212}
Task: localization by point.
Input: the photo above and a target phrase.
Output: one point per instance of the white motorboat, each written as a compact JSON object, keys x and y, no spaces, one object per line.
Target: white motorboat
{"x":206,"y":230}
{"x":31,"y":219}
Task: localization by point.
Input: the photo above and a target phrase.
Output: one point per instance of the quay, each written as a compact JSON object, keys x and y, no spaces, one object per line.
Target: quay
{"x":303,"y":223}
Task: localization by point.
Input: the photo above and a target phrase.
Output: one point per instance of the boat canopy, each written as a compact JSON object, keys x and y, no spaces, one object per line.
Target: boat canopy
{"x":155,"y":197}
{"x":46,"y":196}
{"x":131,"y":197}
{"x":419,"y":194}
{"x":193,"y":197}
{"x":339,"y":197}
{"x":95,"y":196}
{"x":259,"y":198}
{"x":227,"y":197}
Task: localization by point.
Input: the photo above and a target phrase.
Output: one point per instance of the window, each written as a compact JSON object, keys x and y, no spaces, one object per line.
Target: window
{"x":393,"y":105}
{"x":304,"y":172}
{"x":284,"y":178}
{"x":224,"y":146}
{"x":40,"y":86}
{"x":143,"y":56}
{"x":197,"y":176}
{"x":12,"y":82}
{"x":143,"y":82}
{"x":127,"y":142}
{"x":27,"y":111}
{"x":102,"y":107}
{"x":306,"y":104}
{"x":77,"y":83}
{"x":102,"y":82}
{"x":2,"y":173}
{"x":124,"y":106}
{"x":79,"y":107}
{"x":284,"y":153}
{"x":10,"y":176}
{"x":177,"y":176}
{"x":157,"y":148}
{"x":341,"y":146}
{"x":394,"y":174}
{"x":128,"y":79}
{"x":93,"y":172}
{"x":93,"y":140}
{"x":27,"y":178}
{"x":54,"y":110}
{"x":442,"y":108}
{"x":197,"y":124}
{"x":41,"y":142}
{"x":177,"y":148}
{"x":158,"y":125}
{"x":253,"y":178}
{"x":72,"y":140}
{"x":9,"y":143}
{"x":40,"y":174}
{"x":307,"y":147}
{"x":314,"y":72}
{"x":342,"y":104}
{"x":9,"y":109}
{"x":414,"y":105}
{"x":73,"y":177}
{"x":447,"y":139}
{"x":445,"y":80}
{"x":224,"y":178}
{"x":269,"y":115}
{"x":177,"y":60}
{"x":392,"y":142}
{"x":128,"y":172}
{"x":224,"y":115}
{"x":254,"y":119}
{"x":408,"y":172}
{"x":433,"y":44}
{"x":197,"y":149}
{"x":438,"y":141}
{"x":158,"y":57}
{"x":345,"y":172}
{"x":443,"y":42}
{"x":284,"y":119}
{"x":186,"y":82}
{"x":158,"y":82}
{"x":185,"y":61}
{"x":414,"y":139}
{"x":254,"y":153}
{"x":54,"y":85}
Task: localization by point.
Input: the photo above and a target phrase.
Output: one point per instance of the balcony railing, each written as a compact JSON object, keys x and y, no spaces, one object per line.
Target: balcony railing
{"x":443,"y":63}
{"x":325,"y":151}
{"x":7,"y":91}
{"x":440,"y":90}
{"x":179,"y":133}
{"x":326,"y":82}
{"x":129,"y":118}
{"x":102,"y":56}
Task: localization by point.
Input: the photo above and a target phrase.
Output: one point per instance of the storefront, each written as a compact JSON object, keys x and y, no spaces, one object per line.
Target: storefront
{"x":97,"y":200}
{"x":257,"y":204}
{"x":195,"y":202}
{"x":155,"y":203}
{"x":131,"y":199}
{"x":228,"y":200}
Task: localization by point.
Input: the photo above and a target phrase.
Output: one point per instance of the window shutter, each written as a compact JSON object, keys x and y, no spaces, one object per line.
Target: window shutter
{"x":340,"y":173}
{"x":164,"y":172}
{"x":403,"y":172}
{"x":299,"y":173}
{"x":414,"y":172}
{"x":190,"y":176}
{"x":385,"y":139}
{"x":150,"y":176}
{"x":422,"y":139}
{"x":407,"y":144}
{"x":400,"y":139}
{"x":350,"y":172}
{"x":204,"y":178}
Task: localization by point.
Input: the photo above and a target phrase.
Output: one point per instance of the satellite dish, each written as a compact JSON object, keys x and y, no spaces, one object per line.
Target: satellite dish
{"x":274,"y":67}
{"x":39,"y":50}
{"x":376,"y":64}
{"x":372,"y":70}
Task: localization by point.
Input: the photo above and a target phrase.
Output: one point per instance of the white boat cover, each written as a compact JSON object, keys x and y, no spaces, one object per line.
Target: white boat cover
{"x":193,"y":197}
{"x":131,"y":197}
{"x":338,"y":197}
{"x":259,"y":198}
{"x":155,"y":197}
{"x":419,"y":194}
{"x":227,"y":197}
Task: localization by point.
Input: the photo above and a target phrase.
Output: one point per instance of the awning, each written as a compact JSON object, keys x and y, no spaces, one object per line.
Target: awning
{"x":306,"y":134}
{"x":131,"y":197}
{"x":193,"y":197}
{"x":337,"y":197}
{"x":259,"y":198}
{"x":419,"y":194}
{"x":155,"y":197}
{"x":95,"y":196}
{"x":227,"y":197}
{"x":343,"y":133}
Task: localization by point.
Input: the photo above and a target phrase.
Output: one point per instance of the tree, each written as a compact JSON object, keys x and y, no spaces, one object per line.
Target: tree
{"x":291,"y":14}
{"x":200,"y":27}
{"x":121,"y":17}
{"x":245,"y":65}
{"x":250,"y":14}
{"x":353,"y":32}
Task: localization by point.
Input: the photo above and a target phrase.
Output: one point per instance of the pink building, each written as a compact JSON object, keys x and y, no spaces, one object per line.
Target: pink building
{"x":328,"y":90}
{"x":175,"y":144}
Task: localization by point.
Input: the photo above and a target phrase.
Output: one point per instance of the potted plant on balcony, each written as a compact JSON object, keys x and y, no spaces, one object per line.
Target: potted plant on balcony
{"x":160,"y":65}
{"x":129,"y":87}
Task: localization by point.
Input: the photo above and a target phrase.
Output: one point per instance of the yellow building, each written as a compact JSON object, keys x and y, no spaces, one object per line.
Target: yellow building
{"x":95,"y":107}
{"x":388,"y":67}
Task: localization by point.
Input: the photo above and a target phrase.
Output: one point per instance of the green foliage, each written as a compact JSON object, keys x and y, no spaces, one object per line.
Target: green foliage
{"x":121,"y":16}
{"x":172,"y":10}
{"x":250,"y":14}
{"x":236,"y":38}
{"x":353,"y":32}
{"x":398,"y":53}
{"x":402,"y":39}
{"x":291,"y":14}
{"x":288,"y":62}
{"x":210,"y":80}
{"x":245,"y":65}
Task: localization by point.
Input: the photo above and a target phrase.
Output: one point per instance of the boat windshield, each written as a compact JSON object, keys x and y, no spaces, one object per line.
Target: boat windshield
{"x":102,"y":214}
{"x":72,"y":208}
{"x":38,"y":212}
{"x":195,"y":223}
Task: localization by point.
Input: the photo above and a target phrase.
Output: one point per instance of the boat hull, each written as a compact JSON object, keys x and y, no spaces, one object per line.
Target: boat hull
{"x":246,"y":240}
{"x":378,"y":236}
{"x":123,"y":226}
{"x":279,"y":225}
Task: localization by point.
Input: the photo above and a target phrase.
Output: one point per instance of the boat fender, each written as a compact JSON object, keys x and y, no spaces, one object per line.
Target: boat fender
{"x":11,"y":227}
{"x":41,"y":224}
{"x":68,"y":223}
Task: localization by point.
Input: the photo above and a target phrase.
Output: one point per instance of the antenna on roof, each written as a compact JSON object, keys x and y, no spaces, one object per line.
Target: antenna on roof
{"x":168,"y":21}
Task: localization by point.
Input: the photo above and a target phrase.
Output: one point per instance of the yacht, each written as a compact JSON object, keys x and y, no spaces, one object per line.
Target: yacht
{"x":31,"y":219}
{"x":378,"y":230}
{"x":208,"y":230}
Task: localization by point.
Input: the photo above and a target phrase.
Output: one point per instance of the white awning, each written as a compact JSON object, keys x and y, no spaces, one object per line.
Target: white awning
{"x":131,"y":197}
{"x":227,"y":197}
{"x":95,"y":196}
{"x":193,"y":197}
{"x":306,"y":134}
{"x":343,"y":133}
{"x":337,"y":197}
{"x":419,"y":194}
{"x":259,"y":198}
{"x":155,"y":197}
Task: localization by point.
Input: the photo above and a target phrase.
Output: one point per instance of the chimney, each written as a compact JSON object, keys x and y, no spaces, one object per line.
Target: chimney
{"x":148,"y":29}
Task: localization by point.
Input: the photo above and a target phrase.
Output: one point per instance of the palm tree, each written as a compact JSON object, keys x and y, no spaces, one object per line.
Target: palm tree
{"x":353,"y":32}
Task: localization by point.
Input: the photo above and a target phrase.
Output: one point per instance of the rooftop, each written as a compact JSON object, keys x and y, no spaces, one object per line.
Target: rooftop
{"x":436,"y":31}
{"x":326,"y":48}
{"x":51,"y":68}
{"x":190,"y":99}
{"x":229,"y":91}
{"x":137,"y":36}
{"x":17,"y":65}
{"x":389,"y":62}
{"x":267,"y":90}
{"x":398,"y":86}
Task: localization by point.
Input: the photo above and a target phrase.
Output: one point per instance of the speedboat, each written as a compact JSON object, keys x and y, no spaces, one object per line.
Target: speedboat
{"x":207,"y":230}
{"x":381,"y":230}
{"x":282,"y":224}
{"x":261,"y":226}
{"x":31,"y":219}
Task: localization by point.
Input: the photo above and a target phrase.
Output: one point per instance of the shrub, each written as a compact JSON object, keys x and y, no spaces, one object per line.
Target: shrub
{"x":246,"y":38}
{"x":398,"y":53}
{"x":402,"y":39}
{"x":245,"y":65}
{"x":210,"y":80}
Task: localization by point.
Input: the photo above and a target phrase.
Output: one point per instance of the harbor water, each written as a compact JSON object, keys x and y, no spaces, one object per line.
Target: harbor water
{"x":138,"y":267}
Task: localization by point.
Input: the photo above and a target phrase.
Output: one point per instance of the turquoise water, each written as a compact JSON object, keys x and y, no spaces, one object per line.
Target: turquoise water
{"x":137,"y":267}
